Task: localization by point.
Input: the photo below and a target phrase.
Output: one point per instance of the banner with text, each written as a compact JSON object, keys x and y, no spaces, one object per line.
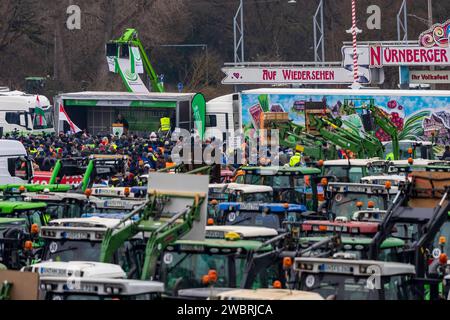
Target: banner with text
{"x":429,"y":77}
{"x":292,"y":75}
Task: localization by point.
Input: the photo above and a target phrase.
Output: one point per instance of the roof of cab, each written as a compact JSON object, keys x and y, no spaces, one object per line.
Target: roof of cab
{"x":51,"y":196}
{"x":393,"y":177}
{"x":12,"y":148}
{"x":386,"y":268}
{"x":93,"y":222}
{"x":269,"y":294}
{"x":282,"y":170}
{"x":248,"y":188}
{"x":227,"y":244}
{"x":87,"y":269}
{"x":352,"y":162}
{"x":388,"y":243}
{"x":7,"y":207}
{"x":245,"y":231}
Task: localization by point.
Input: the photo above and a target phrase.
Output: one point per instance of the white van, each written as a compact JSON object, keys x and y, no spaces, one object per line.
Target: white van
{"x":15,"y":167}
{"x":19,"y":112}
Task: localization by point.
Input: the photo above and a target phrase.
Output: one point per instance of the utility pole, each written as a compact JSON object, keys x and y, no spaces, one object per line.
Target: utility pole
{"x":430,"y":13}
{"x":430,"y":24}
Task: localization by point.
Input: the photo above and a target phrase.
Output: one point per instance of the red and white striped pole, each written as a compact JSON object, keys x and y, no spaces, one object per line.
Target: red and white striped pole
{"x":355,"y":51}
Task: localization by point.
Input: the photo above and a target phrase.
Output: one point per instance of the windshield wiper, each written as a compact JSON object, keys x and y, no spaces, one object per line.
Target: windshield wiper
{"x":242,"y":220}
{"x":64,"y":250}
{"x":342,"y":203}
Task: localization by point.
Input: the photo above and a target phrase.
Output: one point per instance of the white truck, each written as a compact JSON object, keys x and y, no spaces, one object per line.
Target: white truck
{"x":15,"y":166}
{"x":25,"y":113}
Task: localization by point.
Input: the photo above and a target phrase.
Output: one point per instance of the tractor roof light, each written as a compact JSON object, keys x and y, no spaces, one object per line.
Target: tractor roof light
{"x":410,"y":161}
{"x":359,"y":204}
{"x":22,"y":189}
{"x":205,"y":280}
{"x":277,"y":284}
{"x":212,"y":276}
{"x":287,"y":263}
{"x":210,"y":222}
{"x":442,"y":240}
{"x":410,"y":151}
{"x":88,"y":193}
{"x":388,"y":185}
{"x":34,"y":229}
{"x":443,"y":259}
{"x":127,"y":192}
{"x":28,"y":246}
{"x":214,"y":202}
{"x":320,"y":163}
{"x":371,"y":205}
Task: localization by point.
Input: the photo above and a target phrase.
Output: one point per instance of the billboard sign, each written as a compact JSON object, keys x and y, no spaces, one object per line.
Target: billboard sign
{"x":292,"y":75}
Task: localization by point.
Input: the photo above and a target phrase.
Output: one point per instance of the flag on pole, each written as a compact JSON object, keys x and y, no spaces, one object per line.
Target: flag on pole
{"x":63,"y":116}
{"x":39,"y":112}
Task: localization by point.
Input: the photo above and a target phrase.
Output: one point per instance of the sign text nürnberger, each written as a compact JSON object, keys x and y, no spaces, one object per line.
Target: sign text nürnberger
{"x":411,"y":56}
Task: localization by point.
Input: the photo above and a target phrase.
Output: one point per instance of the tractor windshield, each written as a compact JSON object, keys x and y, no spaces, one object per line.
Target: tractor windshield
{"x":186,"y":270}
{"x":263,"y":197}
{"x":346,"y":287}
{"x":345,"y":205}
{"x":72,"y":250}
{"x":30,"y":216}
{"x":62,"y":210}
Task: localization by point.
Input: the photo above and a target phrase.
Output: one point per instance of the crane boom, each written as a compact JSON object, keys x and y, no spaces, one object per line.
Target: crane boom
{"x":130,"y":37}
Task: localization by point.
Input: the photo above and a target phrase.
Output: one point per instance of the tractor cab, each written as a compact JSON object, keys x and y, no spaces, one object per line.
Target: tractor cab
{"x":352,"y":170}
{"x":349,"y":279}
{"x":59,"y":205}
{"x":270,"y":215}
{"x":355,"y":236}
{"x":31,"y":212}
{"x":81,"y":240}
{"x":12,"y":192}
{"x":411,"y":149}
{"x":290,"y":185}
{"x":344,"y":199}
{"x":185,"y":266}
{"x":234,"y":192}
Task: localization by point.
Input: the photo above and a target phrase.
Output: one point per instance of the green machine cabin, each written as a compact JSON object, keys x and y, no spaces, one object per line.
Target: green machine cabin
{"x":290,"y":185}
{"x":98,"y":111}
{"x":184,"y":263}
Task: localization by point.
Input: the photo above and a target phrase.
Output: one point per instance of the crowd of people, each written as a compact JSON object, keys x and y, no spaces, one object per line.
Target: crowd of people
{"x":145,"y":154}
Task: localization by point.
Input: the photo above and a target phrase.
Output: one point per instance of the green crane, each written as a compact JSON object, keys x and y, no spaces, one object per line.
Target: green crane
{"x":292,"y":135}
{"x":131,"y":38}
{"x":365,"y":146}
{"x":382,"y":120}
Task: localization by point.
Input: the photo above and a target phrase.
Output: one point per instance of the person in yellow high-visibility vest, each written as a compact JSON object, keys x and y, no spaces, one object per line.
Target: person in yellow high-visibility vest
{"x":165,"y":124}
{"x":390,"y":156}
{"x":297,"y":158}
